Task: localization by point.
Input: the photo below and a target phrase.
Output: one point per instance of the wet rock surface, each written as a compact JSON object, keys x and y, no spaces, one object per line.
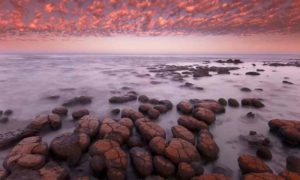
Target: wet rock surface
{"x":252,"y":164}
{"x":131,"y":96}
{"x":205,"y":115}
{"x":207,"y":146}
{"x":142,"y":161}
{"x":163,"y":166}
{"x":183,"y":133}
{"x":81,"y":100}
{"x":80,"y":113}
{"x":191,"y":123}
{"x":149,"y":129}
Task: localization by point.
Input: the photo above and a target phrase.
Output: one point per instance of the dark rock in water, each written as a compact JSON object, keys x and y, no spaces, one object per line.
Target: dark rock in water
{"x":154,"y":101}
{"x":1,"y":112}
{"x":199,"y":88}
{"x":209,"y":104}
{"x":262,"y":176}
{"x":185,"y":107}
{"x":245,"y":89}
{"x":111,"y":129}
{"x":289,"y":175}
{"x":4,"y":119}
{"x":252,"y":164}
{"x":287,"y":129}
{"x":144,"y":108}
{"x":142,"y":161}
{"x":234,"y":61}
{"x":264,"y":153}
{"x":258,"y":89}
{"x":97,"y":163}
{"x":260,"y":70}
{"x":153,"y":113}
{"x":3,"y":174}
{"x":123,"y":99}
{"x":198,"y":168}
{"x":185,"y":171}
{"x":161,"y":108}
{"x":255,"y":139}
{"x":135,"y":141}
{"x":212,"y":176}
{"x":69,"y":147}
{"x":30,"y":153}
{"x":205,"y":115}
{"x":222,"y":101}
{"x":149,"y":129}
{"x":81,"y":100}
{"x":53,"y":97}
{"x":252,"y":102}
{"x":287,"y":82}
{"x":200,"y":72}
{"x":8,"y":112}
{"x":62,"y":111}
{"x":250,"y":115}
{"x":179,"y":150}
{"x":183,"y":133}
{"x":131,"y":114}
{"x":163,"y":166}
{"x":293,"y":163}
{"x":143,"y":98}
{"x":167,"y":103}
{"x":233,"y":102}
{"x":89,"y":125}
{"x":223,"y":71}
{"x":207,"y":146}
{"x":191,"y":123}
{"x":222,"y":169}
{"x":252,"y":73}
{"x":158,"y":145}
{"x":253,"y":64}
{"x":80,"y":113}
{"x":42,"y":121}
{"x":9,"y":138}
{"x":115,"y":111}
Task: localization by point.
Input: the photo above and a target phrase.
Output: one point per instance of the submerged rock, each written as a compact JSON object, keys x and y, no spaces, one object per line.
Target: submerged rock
{"x":62,"y":111}
{"x":293,"y":163}
{"x":252,"y":73}
{"x":222,"y":101}
{"x":264,"y":153}
{"x":81,"y":100}
{"x":131,"y":114}
{"x":252,"y":164}
{"x":80,"y":113}
{"x":252,"y":102}
{"x":123,"y":99}
{"x":212,"y":105}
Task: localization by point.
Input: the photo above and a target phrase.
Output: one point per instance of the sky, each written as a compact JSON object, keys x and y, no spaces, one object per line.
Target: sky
{"x":150,"y":26}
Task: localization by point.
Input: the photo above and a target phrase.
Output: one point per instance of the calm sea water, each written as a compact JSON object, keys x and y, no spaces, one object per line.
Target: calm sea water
{"x":27,"y":80}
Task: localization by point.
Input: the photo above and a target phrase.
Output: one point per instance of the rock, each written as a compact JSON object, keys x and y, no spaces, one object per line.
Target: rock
{"x":251,"y":164}
{"x":3,"y":175}
{"x":207,"y":146}
{"x":153,"y":177}
{"x":212,"y":105}
{"x":29,"y":153}
{"x":262,"y":176}
{"x":143,"y":99}
{"x":191,"y":123}
{"x":161,"y":108}
{"x":183,"y":133}
{"x":11,"y":137}
{"x":42,"y":121}
{"x":135,"y":141}
{"x":144,"y":108}
{"x":115,"y":111}
{"x":123,"y":99}
{"x":222,"y":169}
{"x":198,"y":168}
{"x":288,"y":175}
{"x":252,"y":102}
{"x":245,"y":89}
{"x":233,"y":102}
{"x":97,"y":163}
{"x":149,"y":129}
{"x":250,"y":115}
{"x":142,"y":161}
{"x":111,"y":129}
{"x":153,"y":113}
{"x":289,"y":130}
{"x":264,"y":153}
{"x":185,"y":171}
{"x":166,"y":103}
{"x":252,"y":73}
{"x":69,"y":147}
{"x":89,"y":125}
{"x":222,"y":101}
{"x":163,"y":166}
{"x":80,"y":113}
{"x":101,"y":146}
{"x":131,"y":114}
{"x":205,"y":115}
{"x":293,"y":163}
{"x":8,"y":112}
{"x":212,"y":177}
{"x":81,"y":100}
{"x":4,"y":119}
{"x":185,"y":107}
{"x":154,"y":101}
{"x":53,"y":97}
{"x":255,"y":139}
{"x":126,"y":122}
{"x":179,"y":150}
{"x":287,"y":82}
{"x":62,"y":111}
{"x":1,"y":112}
{"x":158,"y":145}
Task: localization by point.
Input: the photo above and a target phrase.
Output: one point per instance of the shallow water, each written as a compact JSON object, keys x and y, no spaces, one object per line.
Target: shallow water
{"x":27,"y":80}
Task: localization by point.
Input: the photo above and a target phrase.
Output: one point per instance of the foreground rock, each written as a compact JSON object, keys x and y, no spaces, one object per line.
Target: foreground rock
{"x":142,"y":161}
{"x":107,"y":154}
{"x":185,"y":107}
{"x":69,"y":147}
{"x":191,"y":123}
{"x":289,"y":175}
{"x":252,"y":164}
{"x":212,"y":105}
{"x":183,"y":133}
{"x":80,"y":113}
{"x":30,"y":153}
{"x":293,"y":163}
{"x":89,"y":125}
{"x":9,"y":138}
{"x":212,"y":177}
{"x":233,"y":102}
{"x":131,"y":114}
{"x":111,"y":129}
{"x":207,"y":146}
{"x":288,"y":130}
{"x":42,"y":121}
{"x":185,"y":171}
{"x":252,"y":73}
{"x":179,"y":150}
{"x":81,"y":100}
{"x":158,"y":145}
{"x":149,"y":129}
{"x":262,"y":176}
{"x":163,"y":166}
{"x":205,"y":115}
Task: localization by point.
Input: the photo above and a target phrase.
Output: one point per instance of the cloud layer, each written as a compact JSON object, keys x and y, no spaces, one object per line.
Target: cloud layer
{"x":66,"y":18}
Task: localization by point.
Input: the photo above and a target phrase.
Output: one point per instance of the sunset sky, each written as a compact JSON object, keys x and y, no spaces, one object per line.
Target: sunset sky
{"x":149,"y":26}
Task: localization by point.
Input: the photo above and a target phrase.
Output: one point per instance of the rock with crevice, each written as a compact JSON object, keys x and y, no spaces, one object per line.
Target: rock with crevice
{"x":149,"y":129}
{"x":207,"y":146}
{"x":179,"y":131}
{"x":89,"y":125}
{"x":252,"y":164}
{"x":191,"y":123}
{"x":142,"y":161}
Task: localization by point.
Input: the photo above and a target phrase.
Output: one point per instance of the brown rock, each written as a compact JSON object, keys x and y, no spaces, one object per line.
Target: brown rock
{"x":135,"y":141}
{"x":233,"y":102}
{"x":131,"y":114}
{"x":101,"y":146}
{"x":293,"y":163}
{"x":158,"y":145}
{"x":111,"y":129}
{"x":183,"y":133}
{"x":163,"y":166}
{"x":289,"y":175}
{"x":185,"y":107}
{"x":42,"y":121}
{"x":126,"y":122}
{"x":212,"y":177}
{"x":62,"y":111}
{"x":149,"y":129}
{"x":80,"y":113}
{"x":180,"y":150}
{"x":264,"y":153}
{"x":204,"y":115}
{"x":262,"y":176}
{"x":251,"y":164}
{"x":89,"y":125}
{"x":185,"y":171}
{"x":191,"y":123}
{"x":212,"y":105}
{"x":142,"y":161}
{"x":144,"y":108}
{"x":143,"y":98}
{"x":153,"y":113}
{"x":207,"y":146}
